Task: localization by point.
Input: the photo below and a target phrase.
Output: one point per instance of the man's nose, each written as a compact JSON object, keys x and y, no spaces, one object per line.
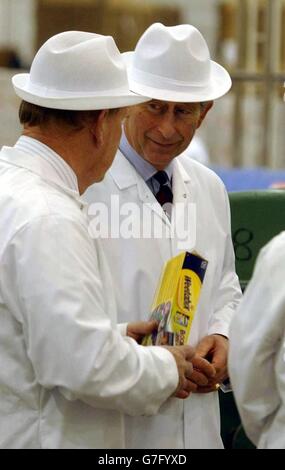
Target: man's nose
{"x":167,"y":126}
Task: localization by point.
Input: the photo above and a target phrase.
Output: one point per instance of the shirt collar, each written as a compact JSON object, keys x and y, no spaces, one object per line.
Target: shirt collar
{"x":56,"y":166}
{"x":144,"y":168}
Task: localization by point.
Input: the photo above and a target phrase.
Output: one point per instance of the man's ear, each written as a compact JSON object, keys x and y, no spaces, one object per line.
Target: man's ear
{"x":205,"y":107}
{"x":97,"y":128}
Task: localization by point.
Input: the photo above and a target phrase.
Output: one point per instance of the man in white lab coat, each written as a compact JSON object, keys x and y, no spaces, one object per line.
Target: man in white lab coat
{"x":67,"y":373}
{"x":172,"y":66}
{"x":256,"y":357}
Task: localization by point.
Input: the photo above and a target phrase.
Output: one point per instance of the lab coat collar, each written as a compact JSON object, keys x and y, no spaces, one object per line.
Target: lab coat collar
{"x":123,"y":172}
{"x":181,"y":183}
{"x":126,"y":176}
{"x":179,"y":167}
{"x":40,"y":167}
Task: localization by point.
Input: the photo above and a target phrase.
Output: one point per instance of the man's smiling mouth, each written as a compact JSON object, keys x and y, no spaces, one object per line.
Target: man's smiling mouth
{"x":163,"y":144}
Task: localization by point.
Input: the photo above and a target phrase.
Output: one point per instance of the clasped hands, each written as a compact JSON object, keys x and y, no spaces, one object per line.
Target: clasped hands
{"x":200,"y":370}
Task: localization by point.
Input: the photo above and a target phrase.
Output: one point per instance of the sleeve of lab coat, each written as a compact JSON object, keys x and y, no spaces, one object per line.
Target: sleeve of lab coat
{"x":229,"y":293}
{"x":69,"y":338}
{"x":256,"y":340}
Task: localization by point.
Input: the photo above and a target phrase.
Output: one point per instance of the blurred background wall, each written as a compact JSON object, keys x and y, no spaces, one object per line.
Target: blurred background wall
{"x":245,"y":128}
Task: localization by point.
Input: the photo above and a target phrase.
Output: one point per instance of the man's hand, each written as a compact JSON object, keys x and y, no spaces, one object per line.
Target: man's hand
{"x":215,"y":349}
{"x":140,"y":329}
{"x":203,"y":372}
{"x":183,"y":356}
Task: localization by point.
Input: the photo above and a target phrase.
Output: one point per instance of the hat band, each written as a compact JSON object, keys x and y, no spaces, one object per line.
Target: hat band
{"x":55,"y":93}
{"x":156,"y":81}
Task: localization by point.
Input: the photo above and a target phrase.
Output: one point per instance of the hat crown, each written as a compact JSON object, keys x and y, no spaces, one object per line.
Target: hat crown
{"x":79,"y":71}
{"x":76,"y":61}
{"x":179,"y":53}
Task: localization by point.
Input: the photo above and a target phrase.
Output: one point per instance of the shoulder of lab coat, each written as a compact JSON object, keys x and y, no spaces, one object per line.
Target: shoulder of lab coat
{"x":256,"y":358}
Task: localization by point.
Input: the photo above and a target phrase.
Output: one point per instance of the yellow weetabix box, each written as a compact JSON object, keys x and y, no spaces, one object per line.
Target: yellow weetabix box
{"x":176,"y":299}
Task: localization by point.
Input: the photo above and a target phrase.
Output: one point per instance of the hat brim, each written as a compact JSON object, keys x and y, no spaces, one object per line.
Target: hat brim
{"x":70,"y":101}
{"x":219,"y":84}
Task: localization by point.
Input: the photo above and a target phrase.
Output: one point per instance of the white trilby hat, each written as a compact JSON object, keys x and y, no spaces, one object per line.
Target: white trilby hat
{"x":173,"y":64}
{"x":77,"y":70}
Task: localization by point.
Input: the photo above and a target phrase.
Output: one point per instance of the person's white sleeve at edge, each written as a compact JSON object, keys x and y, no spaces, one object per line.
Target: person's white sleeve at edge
{"x":60,"y":303}
{"x":229,"y":293}
{"x":122,"y":327}
{"x":257,"y":344}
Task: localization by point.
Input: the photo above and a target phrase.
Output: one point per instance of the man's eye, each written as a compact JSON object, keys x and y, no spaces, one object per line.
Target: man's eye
{"x":154,"y":107}
{"x":184,"y":111}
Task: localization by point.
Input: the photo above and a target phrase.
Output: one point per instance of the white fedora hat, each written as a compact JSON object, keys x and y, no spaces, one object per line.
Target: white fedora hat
{"x":77,"y":70}
{"x":173,"y":64}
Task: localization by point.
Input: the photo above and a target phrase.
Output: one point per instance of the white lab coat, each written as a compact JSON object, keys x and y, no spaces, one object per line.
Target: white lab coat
{"x":257,"y":359}
{"x":66,"y":373}
{"x":136,"y":264}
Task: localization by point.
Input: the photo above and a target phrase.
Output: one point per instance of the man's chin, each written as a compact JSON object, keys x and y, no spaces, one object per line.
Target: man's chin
{"x":159,"y":158}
